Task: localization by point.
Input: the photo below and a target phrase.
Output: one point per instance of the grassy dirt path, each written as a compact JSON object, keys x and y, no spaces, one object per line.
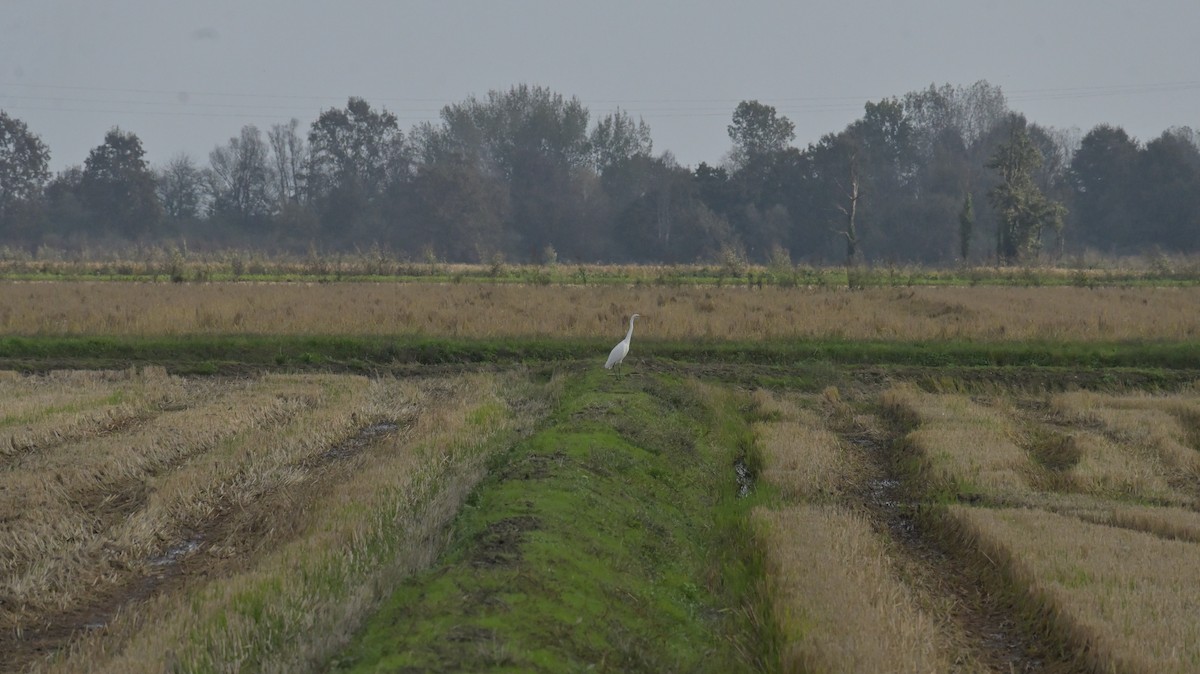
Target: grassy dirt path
{"x":609,"y":541}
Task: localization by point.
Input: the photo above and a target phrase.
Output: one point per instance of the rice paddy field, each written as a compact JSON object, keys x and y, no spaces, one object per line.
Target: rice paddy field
{"x":439,"y":476}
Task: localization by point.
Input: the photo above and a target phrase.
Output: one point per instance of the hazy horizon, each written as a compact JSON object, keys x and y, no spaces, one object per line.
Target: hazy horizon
{"x":186,"y":79}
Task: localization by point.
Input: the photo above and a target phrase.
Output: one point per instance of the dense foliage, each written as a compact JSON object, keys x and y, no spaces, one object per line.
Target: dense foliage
{"x":938,"y":176}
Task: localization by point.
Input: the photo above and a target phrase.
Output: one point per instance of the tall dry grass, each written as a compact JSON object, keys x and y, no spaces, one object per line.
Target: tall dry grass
{"x":836,"y":600}
{"x":373,"y":523}
{"x":1167,"y":522}
{"x":1122,"y":600}
{"x":488,"y":310}
{"x":963,"y":446}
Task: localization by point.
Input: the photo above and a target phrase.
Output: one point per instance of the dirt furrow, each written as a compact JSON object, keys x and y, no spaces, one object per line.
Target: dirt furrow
{"x":229,"y":540}
{"x":990,"y":632}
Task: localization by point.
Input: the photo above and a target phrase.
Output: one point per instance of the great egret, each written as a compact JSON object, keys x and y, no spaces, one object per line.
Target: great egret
{"x":621,"y":349}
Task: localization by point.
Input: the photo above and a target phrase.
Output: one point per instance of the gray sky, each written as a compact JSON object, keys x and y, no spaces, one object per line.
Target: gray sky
{"x":186,"y":76}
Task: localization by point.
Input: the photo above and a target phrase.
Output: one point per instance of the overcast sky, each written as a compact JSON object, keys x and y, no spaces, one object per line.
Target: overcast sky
{"x":186,"y":76}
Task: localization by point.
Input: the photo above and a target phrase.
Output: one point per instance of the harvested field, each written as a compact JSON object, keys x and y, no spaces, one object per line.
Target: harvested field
{"x":282,"y":505}
{"x":1120,"y":599}
{"x":1017,"y":531}
{"x":682,"y":516}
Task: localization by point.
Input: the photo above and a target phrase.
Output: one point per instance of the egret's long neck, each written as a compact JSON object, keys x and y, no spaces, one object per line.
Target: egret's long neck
{"x":629,"y":335}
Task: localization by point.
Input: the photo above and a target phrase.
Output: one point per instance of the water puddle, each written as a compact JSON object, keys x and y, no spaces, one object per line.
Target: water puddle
{"x":358,"y":441}
{"x":177,"y":552}
{"x":887,"y":497}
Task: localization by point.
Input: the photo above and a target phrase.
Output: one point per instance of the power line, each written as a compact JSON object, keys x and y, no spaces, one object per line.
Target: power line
{"x":273,"y":106}
{"x":1018,"y":94}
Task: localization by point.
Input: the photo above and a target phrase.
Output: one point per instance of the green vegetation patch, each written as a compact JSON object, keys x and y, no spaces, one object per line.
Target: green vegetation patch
{"x":602,"y":543}
{"x":214,"y":353}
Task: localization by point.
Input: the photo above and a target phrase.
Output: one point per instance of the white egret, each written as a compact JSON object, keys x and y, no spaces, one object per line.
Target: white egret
{"x":622,"y":349}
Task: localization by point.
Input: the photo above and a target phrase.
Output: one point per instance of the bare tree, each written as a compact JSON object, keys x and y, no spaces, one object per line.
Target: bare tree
{"x":242,"y":178}
{"x":289,"y":154}
{"x":180,"y":186}
{"x":848,"y":205}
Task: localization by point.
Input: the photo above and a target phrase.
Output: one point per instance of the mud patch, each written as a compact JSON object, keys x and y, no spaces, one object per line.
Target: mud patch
{"x":995,"y":638}
{"x":470,"y":633}
{"x":744,"y":477}
{"x":356,"y":443}
{"x":885,"y":495}
{"x":500,"y":544}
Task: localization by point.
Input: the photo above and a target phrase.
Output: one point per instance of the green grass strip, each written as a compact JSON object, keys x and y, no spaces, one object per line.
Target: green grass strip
{"x":200,"y":353}
{"x":609,"y":541}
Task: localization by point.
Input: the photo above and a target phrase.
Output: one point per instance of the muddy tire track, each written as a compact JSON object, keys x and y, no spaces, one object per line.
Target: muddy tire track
{"x":990,"y":626}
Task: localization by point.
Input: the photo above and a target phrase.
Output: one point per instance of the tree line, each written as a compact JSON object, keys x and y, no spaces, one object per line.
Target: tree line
{"x":940,"y":176}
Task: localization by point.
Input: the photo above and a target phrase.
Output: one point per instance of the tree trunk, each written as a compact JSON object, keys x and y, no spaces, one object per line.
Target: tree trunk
{"x":850,"y":210}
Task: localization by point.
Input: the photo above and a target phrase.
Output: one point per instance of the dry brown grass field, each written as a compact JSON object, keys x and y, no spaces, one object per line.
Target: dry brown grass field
{"x":309,"y":496}
{"x":152,"y":522}
{"x":968,"y":447}
{"x":1125,"y":599}
{"x":838,"y":600}
{"x":491,"y":310}
{"x":1075,"y":514}
{"x":1098,"y":539}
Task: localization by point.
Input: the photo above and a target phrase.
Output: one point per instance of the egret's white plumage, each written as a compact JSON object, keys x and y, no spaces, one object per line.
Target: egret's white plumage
{"x":621,"y":349}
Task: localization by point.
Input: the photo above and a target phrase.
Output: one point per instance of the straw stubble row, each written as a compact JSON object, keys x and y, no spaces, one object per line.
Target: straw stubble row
{"x":838,"y":602}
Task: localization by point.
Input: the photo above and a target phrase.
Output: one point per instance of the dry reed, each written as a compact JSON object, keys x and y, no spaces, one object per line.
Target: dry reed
{"x":1109,"y":469}
{"x":488,"y":310}
{"x":1125,"y":600}
{"x":1165,"y":522}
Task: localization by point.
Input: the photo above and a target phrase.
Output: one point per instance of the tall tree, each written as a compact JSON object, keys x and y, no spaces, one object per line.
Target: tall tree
{"x":289,"y":155}
{"x":24,"y":161}
{"x":758,"y":131}
{"x":1168,"y":192}
{"x":535,"y":142}
{"x":181,"y":188}
{"x":66,"y":216}
{"x":838,"y":176}
{"x":355,"y":149}
{"x":117,"y":188}
{"x":969,"y":112}
{"x":509,"y":128}
{"x":616,"y":139}
{"x":456,"y":210}
{"x":966,"y":228}
{"x":666,"y":220}
{"x":356,"y":155}
{"x":243,"y":180}
{"x":1023,"y":210}
{"x":1103,"y":196}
